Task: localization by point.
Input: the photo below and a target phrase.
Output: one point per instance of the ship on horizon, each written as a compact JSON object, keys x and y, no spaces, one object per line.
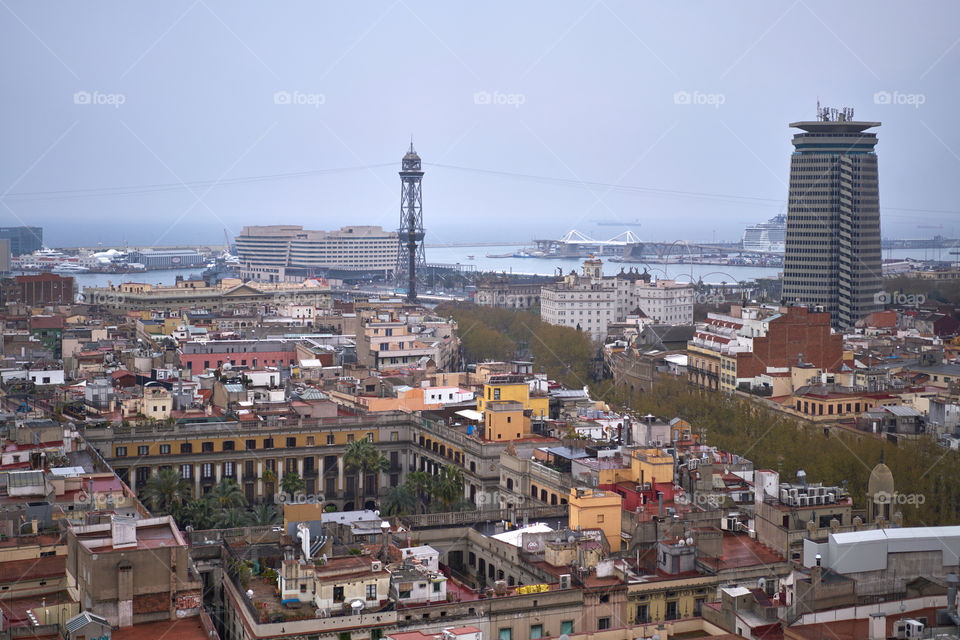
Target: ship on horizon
{"x":766,"y":237}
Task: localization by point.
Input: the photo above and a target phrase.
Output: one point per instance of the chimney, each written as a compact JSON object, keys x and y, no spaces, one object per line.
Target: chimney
{"x":660,"y":501}
{"x":384,"y":551}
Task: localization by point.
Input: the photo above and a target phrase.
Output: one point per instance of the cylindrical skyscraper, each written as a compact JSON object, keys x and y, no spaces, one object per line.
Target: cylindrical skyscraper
{"x":832,"y":255}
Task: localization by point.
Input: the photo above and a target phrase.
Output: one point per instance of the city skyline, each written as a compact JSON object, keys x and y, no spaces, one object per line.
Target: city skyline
{"x":533,"y":125}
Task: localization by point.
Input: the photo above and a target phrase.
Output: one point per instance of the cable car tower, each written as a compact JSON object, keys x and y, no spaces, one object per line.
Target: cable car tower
{"x":411,"y":255}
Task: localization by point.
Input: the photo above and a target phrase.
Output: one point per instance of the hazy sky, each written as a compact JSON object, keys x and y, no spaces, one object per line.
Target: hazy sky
{"x":680,"y":103}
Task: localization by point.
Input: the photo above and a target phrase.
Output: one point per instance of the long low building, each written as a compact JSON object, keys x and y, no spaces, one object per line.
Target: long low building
{"x":279,"y":253}
{"x":188,"y":294}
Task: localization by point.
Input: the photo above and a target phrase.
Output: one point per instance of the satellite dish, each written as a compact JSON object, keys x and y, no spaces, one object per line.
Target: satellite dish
{"x":680,"y":542}
{"x":250,"y":593}
{"x":690,"y":541}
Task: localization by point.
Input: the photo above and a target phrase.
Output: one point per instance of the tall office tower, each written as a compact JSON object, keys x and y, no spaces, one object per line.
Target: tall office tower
{"x":411,"y":231}
{"x":23,"y":240}
{"x":833,"y":218}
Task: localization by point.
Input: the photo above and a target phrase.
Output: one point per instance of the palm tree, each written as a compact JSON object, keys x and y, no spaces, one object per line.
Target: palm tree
{"x":463,"y":504}
{"x":399,"y":501}
{"x":264,"y":514}
{"x":227,"y":494}
{"x":292,"y":484}
{"x":166,"y":489}
{"x":199,"y":514}
{"x":232,"y":518}
{"x":420,"y":484}
{"x":448,"y":486}
{"x":361,"y":457}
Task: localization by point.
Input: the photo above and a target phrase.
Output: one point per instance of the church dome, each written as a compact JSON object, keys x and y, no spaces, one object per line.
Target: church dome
{"x":881,"y":481}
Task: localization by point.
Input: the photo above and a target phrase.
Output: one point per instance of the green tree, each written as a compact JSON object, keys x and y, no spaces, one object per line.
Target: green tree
{"x":264,"y":514}
{"x":165,"y":490}
{"x":448,"y":487}
{"x":399,"y":501}
{"x":292,"y":484}
{"x":199,"y":514}
{"x":420,"y":484}
{"x":233,"y":517}
{"x":361,"y":458}
{"x":227,"y":494}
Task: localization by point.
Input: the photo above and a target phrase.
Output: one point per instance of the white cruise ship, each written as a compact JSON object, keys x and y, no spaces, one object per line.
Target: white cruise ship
{"x":768,"y":237}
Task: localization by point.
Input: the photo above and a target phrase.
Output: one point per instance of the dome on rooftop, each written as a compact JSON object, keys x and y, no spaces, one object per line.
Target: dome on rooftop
{"x":881,"y":481}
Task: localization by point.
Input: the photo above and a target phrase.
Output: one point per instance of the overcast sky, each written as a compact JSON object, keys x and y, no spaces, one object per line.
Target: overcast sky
{"x":167,"y":109}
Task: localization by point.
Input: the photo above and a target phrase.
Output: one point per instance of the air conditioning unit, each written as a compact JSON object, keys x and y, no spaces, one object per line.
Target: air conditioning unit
{"x":908,"y":629}
{"x":565,"y":581}
{"x":376,"y":565}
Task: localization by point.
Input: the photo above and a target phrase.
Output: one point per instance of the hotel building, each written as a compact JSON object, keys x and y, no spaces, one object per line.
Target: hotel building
{"x":278,"y":253}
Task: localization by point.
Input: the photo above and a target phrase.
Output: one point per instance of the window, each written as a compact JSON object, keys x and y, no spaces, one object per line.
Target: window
{"x":505,"y":634}
{"x":603,"y":623}
{"x":186,"y":471}
{"x":496,"y":394}
{"x":311,"y":441}
{"x":186,"y":447}
{"x":268,"y":443}
{"x":372,"y":591}
{"x":566,"y":626}
{"x":121,"y":452}
{"x":436,"y":587}
{"x":643,"y":614}
{"x":251,"y":444}
{"x":536,"y":631}
{"x":338,"y":594}
{"x":164,"y":449}
{"x":350,"y":437}
{"x":330,"y":439}
{"x":228,"y":469}
{"x":291,"y":443}
{"x":143,"y":450}
{"x":672,"y":610}
{"x":206,"y":470}
{"x":599,"y":518}
{"x":206,"y":447}
{"x":229,"y":445}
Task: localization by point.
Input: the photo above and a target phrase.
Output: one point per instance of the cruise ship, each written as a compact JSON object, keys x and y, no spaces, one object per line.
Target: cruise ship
{"x":767,"y":237}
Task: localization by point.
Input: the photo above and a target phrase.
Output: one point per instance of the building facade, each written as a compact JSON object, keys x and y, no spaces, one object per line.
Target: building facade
{"x":833,"y":218}
{"x":278,"y":253}
{"x":23,"y":240}
{"x":590,"y":302}
{"x":38,"y":290}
